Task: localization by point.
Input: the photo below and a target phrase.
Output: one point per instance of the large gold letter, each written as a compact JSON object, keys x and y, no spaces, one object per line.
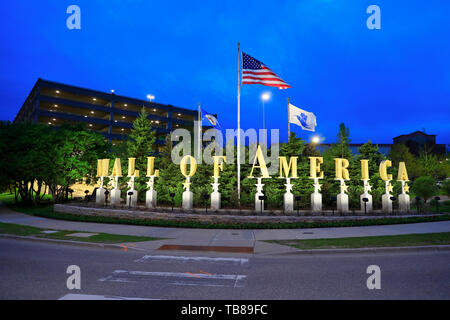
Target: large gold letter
{"x":218,"y":165}
{"x":341,"y":169}
{"x":314,"y":167}
{"x":364,"y":169}
{"x":262,"y":164}
{"x":132,"y":172}
{"x":99,"y":167}
{"x":286,"y":168}
{"x":183,"y":166}
{"x":402,"y":173}
{"x":105,"y":167}
{"x":151,"y":167}
{"x":383,"y":170}
{"x":117,"y":169}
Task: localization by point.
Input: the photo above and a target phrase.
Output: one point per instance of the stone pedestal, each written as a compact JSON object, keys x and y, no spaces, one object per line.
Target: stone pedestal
{"x":134,"y":198}
{"x":342,"y":203}
{"x":386,"y":203}
{"x":404,"y":202}
{"x":150,"y":199}
{"x":288,"y":200}
{"x":316,"y":202}
{"x":115,"y":197}
{"x":188,"y":200}
{"x":368,"y":204}
{"x":100,"y":196}
{"x":259,"y":203}
{"x":215,"y":201}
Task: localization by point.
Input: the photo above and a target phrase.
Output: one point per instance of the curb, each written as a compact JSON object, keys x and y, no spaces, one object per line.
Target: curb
{"x":71,"y":242}
{"x":370,"y":250}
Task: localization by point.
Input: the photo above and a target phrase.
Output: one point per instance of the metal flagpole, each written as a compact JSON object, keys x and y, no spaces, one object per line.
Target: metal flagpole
{"x":239,"y":127}
{"x":199,"y":143}
{"x":289,"y":122}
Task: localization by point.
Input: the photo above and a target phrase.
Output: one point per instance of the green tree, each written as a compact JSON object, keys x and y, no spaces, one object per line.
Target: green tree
{"x":140,"y":145}
{"x":425,"y":187}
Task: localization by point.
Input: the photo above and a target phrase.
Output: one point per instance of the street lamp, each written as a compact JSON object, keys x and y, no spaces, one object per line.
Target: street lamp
{"x":264,"y":97}
{"x":315,"y":140}
{"x":150,"y":97}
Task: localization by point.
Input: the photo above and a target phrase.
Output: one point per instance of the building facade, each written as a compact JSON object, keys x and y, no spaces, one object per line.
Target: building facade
{"x":107,"y":113}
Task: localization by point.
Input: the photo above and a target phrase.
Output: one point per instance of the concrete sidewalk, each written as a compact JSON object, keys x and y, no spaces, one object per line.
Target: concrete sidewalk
{"x":221,"y":237}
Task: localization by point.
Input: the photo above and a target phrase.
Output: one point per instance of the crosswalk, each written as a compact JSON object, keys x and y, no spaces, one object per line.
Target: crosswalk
{"x":171,"y":272}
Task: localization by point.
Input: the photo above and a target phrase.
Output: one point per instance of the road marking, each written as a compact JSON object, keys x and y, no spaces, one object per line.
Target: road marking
{"x":177,"y":278}
{"x":75,"y":296}
{"x":235,"y":261}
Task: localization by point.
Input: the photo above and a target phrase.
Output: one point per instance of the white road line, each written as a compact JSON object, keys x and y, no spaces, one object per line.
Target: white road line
{"x":75,"y":296}
{"x":177,"y":278}
{"x":235,"y":261}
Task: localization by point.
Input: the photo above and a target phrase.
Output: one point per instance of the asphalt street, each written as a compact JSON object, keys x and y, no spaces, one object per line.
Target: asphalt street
{"x":37,"y":270}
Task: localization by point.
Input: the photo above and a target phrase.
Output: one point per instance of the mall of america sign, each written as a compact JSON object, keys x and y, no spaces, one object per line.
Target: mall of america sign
{"x":287,"y":170}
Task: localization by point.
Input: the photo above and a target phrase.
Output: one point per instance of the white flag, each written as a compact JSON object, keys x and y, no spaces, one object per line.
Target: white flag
{"x":304,"y":119}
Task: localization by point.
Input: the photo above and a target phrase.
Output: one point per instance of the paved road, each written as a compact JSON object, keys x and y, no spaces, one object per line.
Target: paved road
{"x":218,"y":237}
{"x":37,"y":270}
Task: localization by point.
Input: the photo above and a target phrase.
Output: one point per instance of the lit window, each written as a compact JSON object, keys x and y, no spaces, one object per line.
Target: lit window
{"x":157,"y":121}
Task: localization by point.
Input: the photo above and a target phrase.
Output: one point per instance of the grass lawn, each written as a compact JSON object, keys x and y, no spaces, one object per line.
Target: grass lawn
{"x":425,"y":239}
{"x":20,"y":230}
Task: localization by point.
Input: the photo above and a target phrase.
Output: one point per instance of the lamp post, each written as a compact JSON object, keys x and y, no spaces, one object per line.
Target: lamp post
{"x":265,"y":96}
{"x":106,"y":197}
{"x":129,"y":201}
{"x":172,"y":195}
{"x":297,"y":200}
{"x":437,"y":203}
{"x":206,"y":197}
{"x":333,"y":200}
{"x":418,"y":204}
{"x":150,"y":97}
{"x":262,"y":198}
{"x":365,"y":205}
{"x":393,"y":199}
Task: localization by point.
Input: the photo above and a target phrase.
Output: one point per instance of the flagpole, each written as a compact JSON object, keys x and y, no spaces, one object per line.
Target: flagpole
{"x":199,"y":143}
{"x":238,"y":127}
{"x":289,"y":123}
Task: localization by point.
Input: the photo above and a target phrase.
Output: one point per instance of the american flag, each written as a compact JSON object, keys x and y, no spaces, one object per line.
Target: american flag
{"x":256,"y":72}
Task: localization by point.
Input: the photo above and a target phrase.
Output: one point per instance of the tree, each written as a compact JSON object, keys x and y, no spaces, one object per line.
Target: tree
{"x":446,"y":187}
{"x":140,"y":145}
{"x":425,"y":187}
{"x":400,"y":152}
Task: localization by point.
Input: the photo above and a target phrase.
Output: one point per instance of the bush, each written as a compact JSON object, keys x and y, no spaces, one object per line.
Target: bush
{"x":425,"y":187}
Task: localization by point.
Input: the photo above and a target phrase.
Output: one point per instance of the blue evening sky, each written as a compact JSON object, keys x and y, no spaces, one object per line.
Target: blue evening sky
{"x":381,"y":83}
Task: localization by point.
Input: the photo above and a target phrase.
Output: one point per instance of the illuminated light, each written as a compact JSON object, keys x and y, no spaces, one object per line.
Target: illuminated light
{"x":125,"y":105}
{"x":315,"y":139}
{"x":56,"y":106}
{"x":90,"y":125}
{"x":49,"y":123}
{"x":154,"y":109}
{"x":179,"y":114}
{"x":265,"y":96}
{"x":115,"y":120}
{"x":54,"y":119}
{"x":150,"y":97}
{"x":85,"y":116}
{"x":57,"y":91}
{"x":95,"y":99}
{"x":92,"y":112}
{"x":123,"y":117}
{"x":112,"y":90}
{"x":157,"y":121}
{"x":122,"y":129}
